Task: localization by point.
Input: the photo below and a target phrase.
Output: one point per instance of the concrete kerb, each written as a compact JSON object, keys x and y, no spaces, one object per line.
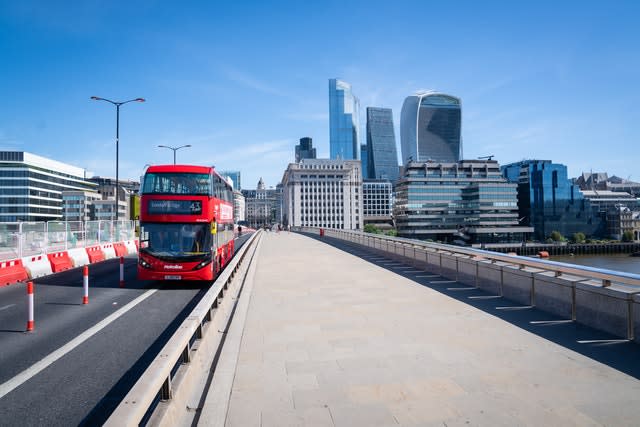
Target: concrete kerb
{"x":608,"y":309}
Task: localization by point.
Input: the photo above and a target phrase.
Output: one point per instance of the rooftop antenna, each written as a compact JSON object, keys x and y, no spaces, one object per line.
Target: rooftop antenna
{"x":486,"y":157}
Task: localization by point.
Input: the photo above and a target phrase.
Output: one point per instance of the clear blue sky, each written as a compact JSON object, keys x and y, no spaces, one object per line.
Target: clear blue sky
{"x":243,"y":81}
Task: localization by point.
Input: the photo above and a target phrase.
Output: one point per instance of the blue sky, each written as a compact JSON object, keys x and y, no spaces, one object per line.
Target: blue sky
{"x":243,"y":81}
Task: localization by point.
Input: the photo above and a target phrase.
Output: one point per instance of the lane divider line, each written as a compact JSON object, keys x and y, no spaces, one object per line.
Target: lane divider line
{"x":37,"y":367}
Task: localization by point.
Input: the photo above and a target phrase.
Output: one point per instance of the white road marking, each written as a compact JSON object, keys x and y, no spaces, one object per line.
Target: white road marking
{"x":6,"y":306}
{"x":37,"y":367}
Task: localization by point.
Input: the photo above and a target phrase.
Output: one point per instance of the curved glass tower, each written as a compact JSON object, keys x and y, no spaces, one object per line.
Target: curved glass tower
{"x":430,"y":125}
{"x":344,"y":122}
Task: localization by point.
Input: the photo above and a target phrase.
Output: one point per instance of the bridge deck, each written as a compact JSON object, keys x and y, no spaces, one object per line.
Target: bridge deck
{"x":339,"y":336}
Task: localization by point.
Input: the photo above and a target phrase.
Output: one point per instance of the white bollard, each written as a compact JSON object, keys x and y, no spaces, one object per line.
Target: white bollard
{"x":85,"y":284}
{"x":30,"y":321}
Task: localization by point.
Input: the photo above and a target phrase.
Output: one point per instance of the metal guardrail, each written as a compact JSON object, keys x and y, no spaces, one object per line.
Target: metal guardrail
{"x":158,"y":382}
{"x":559,"y":268}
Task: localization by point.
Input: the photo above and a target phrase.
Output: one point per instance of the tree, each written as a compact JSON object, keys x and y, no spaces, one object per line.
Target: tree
{"x":556,"y":236}
{"x":370,"y":228}
{"x":579,"y":237}
{"x":392,"y":233}
{"x":627,"y":236}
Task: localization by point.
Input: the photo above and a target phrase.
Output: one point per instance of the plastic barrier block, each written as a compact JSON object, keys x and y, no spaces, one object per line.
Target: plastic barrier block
{"x":120,"y":249}
{"x":78,"y":257}
{"x":37,"y":266}
{"x":12,"y":271}
{"x":95,"y":254}
{"x":108,"y":250}
{"x":60,"y":261}
{"x":131,"y":246}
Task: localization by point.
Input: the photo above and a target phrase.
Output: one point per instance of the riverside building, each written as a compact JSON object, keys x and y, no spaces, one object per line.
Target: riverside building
{"x":467,"y":202}
{"x":323,"y":193}
{"x":377,"y":202}
{"x":31,"y":186}
{"x":430,"y":126}
{"x":344,"y":121}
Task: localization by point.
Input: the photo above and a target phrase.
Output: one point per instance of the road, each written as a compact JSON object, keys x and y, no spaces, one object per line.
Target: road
{"x":79,"y":362}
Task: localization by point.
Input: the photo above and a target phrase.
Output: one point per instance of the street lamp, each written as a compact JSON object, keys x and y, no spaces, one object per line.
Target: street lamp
{"x":117,"y":104}
{"x":174,"y":150}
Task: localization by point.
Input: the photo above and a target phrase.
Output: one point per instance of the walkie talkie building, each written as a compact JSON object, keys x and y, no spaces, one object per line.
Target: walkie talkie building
{"x":430,"y":125}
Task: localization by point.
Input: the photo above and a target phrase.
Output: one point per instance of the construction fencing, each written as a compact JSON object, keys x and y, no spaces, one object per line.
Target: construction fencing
{"x":21,"y":239}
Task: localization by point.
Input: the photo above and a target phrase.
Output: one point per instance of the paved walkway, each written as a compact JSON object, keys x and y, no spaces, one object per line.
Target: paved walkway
{"x":334,"y":338}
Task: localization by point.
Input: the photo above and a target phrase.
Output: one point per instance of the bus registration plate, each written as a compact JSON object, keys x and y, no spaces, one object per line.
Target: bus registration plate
{"x":172,"y":277}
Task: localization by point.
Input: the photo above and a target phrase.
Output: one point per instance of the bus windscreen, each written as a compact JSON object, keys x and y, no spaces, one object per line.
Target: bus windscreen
{"x":175,"y":241}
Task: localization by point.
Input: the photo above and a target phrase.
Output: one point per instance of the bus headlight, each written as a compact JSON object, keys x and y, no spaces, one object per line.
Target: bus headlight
{"x":202,"y":264}
{"x":144,"y":263}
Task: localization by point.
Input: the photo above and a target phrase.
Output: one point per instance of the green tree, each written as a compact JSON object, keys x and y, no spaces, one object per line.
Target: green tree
{"x":556,"y":236}
{"x":370,"y":228}
{"x":392,"y":233}
{"x":579,"y":237}
{"x":627,"y":236}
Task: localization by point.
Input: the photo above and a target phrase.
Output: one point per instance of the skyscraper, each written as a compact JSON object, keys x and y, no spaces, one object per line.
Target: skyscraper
{"x":430,"y":128}
{"x":381,"y":145}
{"x":235,"y":177}
{"x":344,"y":121}
{"x":305,"y":149}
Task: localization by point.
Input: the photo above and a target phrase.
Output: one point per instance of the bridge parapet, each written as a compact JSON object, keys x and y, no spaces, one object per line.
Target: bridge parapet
{"x":602,"y":299}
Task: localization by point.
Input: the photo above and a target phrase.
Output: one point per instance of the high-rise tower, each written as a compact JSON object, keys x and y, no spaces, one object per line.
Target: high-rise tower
{"x":430,"y":125}
{"x":381,"y":145}
{"x":344,"y":122}
{"x":305,"y":149}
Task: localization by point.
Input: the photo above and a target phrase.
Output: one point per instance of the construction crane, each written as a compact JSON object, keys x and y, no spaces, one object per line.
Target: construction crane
{"x":486,"y":157}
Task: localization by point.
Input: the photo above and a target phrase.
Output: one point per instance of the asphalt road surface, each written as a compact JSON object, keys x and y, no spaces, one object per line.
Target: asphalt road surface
{"x":81,"y":360}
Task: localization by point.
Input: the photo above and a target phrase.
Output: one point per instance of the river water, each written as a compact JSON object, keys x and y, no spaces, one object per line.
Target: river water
{"x":619,"y":262}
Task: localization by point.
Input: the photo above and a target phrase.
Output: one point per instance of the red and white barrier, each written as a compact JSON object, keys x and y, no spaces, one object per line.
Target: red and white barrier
{"x":95,"y":254}
{"x":60,"y":261}
{"x":108,"y":250}
{"x":122,"y":272}
{"x":120,"y":249}
{"x":131,"y":246}
{"x":30,"y":321}
{"x":37,"y":266}
{"x":78,"y":257}
{"x":85,"y":284}
{"x":12,"y":271}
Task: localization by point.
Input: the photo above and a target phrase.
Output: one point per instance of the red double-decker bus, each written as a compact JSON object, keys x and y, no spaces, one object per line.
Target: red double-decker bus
{"x":186,"y":223}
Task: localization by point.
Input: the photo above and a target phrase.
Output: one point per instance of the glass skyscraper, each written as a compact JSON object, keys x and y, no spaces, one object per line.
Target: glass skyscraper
{"x":381,"y":145}
{"x":430,"y":125}
{"x":344,"y":121}
{"x":549,"y":201}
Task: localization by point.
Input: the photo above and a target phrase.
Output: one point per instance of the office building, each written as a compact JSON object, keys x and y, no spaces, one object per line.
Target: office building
{"x":549,"y":201}
{"x":239,"y":206}
{"x":235,"y":177}
{"x":344,"y":121}
{"x":262,"y":206}
{"x":79,"y":205}
{"x":31,"y":186}
{"x":430,"y":128}
{"x":305,"y":149}
{"x":381,"y":143}
{"x":364,"y":160}
{"x":377,"y":203}
{"x":468,"y":202}
{"x":323,"y":193}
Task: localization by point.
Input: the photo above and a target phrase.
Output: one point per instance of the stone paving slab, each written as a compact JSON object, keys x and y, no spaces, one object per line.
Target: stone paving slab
{"x":332,"y":339}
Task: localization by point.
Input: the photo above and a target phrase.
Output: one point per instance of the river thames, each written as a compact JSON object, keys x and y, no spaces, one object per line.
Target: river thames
{"x":618,"y":262}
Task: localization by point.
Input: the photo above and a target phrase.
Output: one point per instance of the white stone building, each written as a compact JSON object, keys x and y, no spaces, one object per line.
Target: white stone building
{"x":323,"y":193}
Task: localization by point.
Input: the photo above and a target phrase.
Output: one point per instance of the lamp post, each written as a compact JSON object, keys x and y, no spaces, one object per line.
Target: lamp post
{"x":174,"y":150}
{"x":117,"y":104}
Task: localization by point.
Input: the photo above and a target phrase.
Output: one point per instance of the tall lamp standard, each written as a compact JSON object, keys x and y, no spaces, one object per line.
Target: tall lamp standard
{"x":174,"y":150}
{"x":117,"y":104}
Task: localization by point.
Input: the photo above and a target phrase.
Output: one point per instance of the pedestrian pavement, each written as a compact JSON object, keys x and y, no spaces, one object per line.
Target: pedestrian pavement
{"x":336,"y":335}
